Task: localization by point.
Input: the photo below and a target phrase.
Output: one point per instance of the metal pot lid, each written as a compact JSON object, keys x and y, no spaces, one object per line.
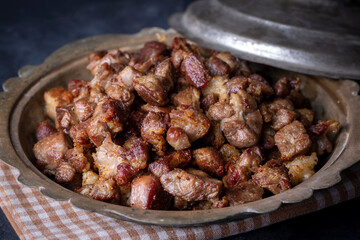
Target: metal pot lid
{"x":308,"y":36}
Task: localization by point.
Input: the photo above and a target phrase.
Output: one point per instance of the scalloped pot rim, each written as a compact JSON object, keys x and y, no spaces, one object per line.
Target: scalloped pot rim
{"x":19,"y":93}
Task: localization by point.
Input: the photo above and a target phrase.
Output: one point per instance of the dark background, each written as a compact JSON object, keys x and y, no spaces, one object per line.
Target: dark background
{"x":31,"y":30}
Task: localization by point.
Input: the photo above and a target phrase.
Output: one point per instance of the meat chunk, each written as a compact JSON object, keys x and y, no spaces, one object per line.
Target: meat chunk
{"x":235,"y":175}
{"x":80,"y":136}
{"x":236,"y":83}
{"x":244,"y":192}
{"x":65,"y":118}
{"x":195,"y":71}
{"x":216,"y":87}
{"x":282,"y":118}
{"x":78,"y":88}
{"x":272,"y":176}
{"x":152,"y":89}
{"x":147,"y":193}
{"x":193,"y":122}
{"x":189,"y":97}
{"x":229,"y":153}
{"x":83,"y":109}
{"x":267,"y":137}
{"x":209,"y":160}
{"x":153,"y":131}
{"x":292,"y":140}
{"x":44,"y":129}
{"x":320,"y":133}
{"x":77,"y":159}
{"x":258,"y":87}
{"x":64,"y":173}
{"x":301,"y":168}
{"x":107,"y":157}
{"x":242,"y":129}
{"x":120,"y":93}
{"x":137,"y":152}
{"x":220,"y":110}
{"x":151,"y":50}
{"x":251,"y":158}
{"x":177,"y":138}
{"x":215,"y":135}
{"x":178,"y":159}
{"x":102,"y":189}
{"x":56,"y":97}
{"x":189,"y":187}
{"x":50,"y":151}
{"x":127,"y":76}
{"x":95,"y":130}
{"x":209,"y":100}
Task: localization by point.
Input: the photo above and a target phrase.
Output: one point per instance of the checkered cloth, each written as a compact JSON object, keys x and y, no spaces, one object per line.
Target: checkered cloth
{"x":34,"y":216}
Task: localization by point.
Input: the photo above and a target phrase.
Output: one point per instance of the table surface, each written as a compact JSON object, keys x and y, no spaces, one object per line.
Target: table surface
{"x":31,"y":30}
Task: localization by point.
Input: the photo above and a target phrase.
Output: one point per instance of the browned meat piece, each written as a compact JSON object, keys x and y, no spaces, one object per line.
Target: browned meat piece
{"x":177,"y":138}
{"x":76,"y":157}
{"x":243,"y":129}
{"x":96,"y":131}
{"x":216,"y":87}
{"x":84,"y":109}
{"x":195,"y":71}
{"x":305,"y":116}
{"x":319,"y":136}
{"x":220,"y":110}
{"x":209,"y":160}
{"x":272,"y":176}
{"x":299,"y":100}
{"x":124,"y":173}
{"x":190,"y":97}
{"x":56,"y":97}
{"x":209,"y":100}
{"x":183,"y":44}
{"x":80,"y":137}
{"x":235,"y":175}
{"x":151,"y":54}
{"x":193,"y":122}
{"x":50,"y":151}
{"x":121,"y":93}
{"x":236,"y":83}
{"x":166,"y":70}
{"x":301,"y":168}
{"x":44,"y":129}
{"x":229,"y":153}
{"x":178,"y":159}
{"x":267,"y":137}
{"x":282,"y":87}
{"x":292,"y":140}
{"x":229,"y":59}
{"x":111,"y":112}
{"x":282,"y":118}
{"x":94,"y":58}
{"x":216,"y":66}
{"x":147,"y":193}
{"x":259,"y":87}
{"x":177,"y":57}
{"x":160,"y":167}
{"x":137,"y":152}
{"x":153,"y":131}
{"x":135,"y":121}
{"x":251,"y":158}
{"x":65,"y":118}
{"x":280,"y":112}
{"x":189,"y":187}
{"x":127,"y":76}
{"x":78,"y":88}
{"x":244,"y":192}
{"x":102,"y":189}
{"x":115,"y":59}
{"x":152,"y":89}
{"x":215,"y":135}
{"x":64,"y":173}
{"x":151,"y":50}
{"x":107,"y":157}
{"x":151,"y":108}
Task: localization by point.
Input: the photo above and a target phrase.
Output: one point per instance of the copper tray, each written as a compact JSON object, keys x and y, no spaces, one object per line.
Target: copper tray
{"x":22,"y":108}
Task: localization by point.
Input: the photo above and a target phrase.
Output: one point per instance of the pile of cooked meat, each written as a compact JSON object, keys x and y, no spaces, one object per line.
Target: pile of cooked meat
{"x":178,"y":128}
